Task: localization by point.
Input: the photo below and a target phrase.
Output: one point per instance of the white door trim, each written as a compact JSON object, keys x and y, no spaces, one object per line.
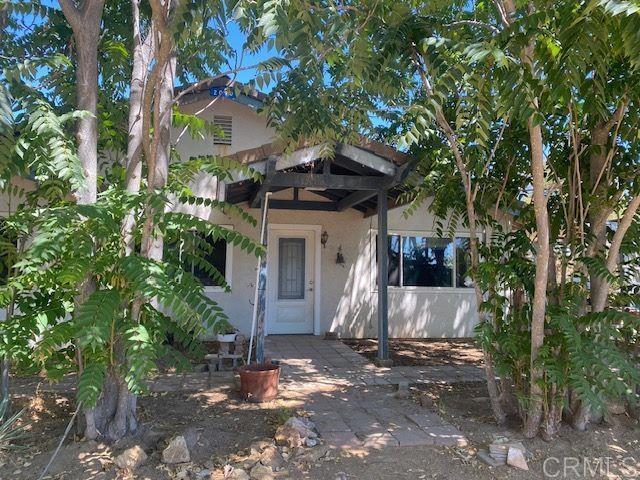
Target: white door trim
{"x":317,"y":283}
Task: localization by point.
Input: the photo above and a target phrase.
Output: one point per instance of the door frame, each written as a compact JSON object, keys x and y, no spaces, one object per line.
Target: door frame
{"x":317,"y":275}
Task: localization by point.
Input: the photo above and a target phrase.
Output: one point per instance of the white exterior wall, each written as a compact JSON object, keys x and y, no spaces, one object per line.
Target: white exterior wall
{"x":348,"y":296}
{"x":249,"y":130}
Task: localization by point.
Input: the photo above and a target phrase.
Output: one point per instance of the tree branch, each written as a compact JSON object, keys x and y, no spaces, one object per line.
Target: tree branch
{"x":475,"y":23}
{"x":618,"y":237}
{"x":71,"y":13}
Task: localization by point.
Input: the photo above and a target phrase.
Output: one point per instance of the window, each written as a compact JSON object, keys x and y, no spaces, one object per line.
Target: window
{"x":7,"y":252}
{"x":421,"y":261}
{"x":463,"y":263}
{"x":427,"y":262}
{"x":224,"y":129}
{"x":291,"y":256}
{"x":216,"y":253}
{"x":216,"y":257}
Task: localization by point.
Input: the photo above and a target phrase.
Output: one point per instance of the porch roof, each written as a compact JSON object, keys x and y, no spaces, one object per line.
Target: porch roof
{"x":351,"y":178}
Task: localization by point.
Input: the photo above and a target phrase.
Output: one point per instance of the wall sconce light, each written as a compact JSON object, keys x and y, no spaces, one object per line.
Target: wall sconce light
{"x":339,"y":256}
{"x":324,"y":238}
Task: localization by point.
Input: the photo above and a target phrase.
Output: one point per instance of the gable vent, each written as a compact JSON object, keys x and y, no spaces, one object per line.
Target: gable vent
{"x":224,"y":123}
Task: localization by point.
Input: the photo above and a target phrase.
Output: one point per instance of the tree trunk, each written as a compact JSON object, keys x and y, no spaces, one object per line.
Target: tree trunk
{"x":112,"y":418}
{"x":553,"y":415}
{"x":533,"y":414}
{"x":85,"y":23}
{"x":142,"y":53}
{"x":534,"y":410}
{"x":457,"y":150}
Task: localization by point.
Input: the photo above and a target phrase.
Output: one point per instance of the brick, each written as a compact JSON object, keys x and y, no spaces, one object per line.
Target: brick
{"x":342,"y":440}
{"x":412,"y":437}
{"x":446,"y":436}
{"x":427,"y":420}
{"x":379,"y":440}
{"x":331,"y":425}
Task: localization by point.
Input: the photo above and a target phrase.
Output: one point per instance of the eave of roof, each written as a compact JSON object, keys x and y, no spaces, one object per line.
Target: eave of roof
{"x":252,"y":98}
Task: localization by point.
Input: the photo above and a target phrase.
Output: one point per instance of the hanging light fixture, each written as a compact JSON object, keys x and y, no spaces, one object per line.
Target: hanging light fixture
{"x":324,"y":238}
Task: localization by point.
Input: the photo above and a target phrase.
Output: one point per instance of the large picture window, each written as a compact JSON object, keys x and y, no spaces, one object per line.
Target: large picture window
{"x":422,"y":261}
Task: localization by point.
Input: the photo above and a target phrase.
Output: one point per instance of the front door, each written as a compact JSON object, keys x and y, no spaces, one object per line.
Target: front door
{"x":290,"y":288}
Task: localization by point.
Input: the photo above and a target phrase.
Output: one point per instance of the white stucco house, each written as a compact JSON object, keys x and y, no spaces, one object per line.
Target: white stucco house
{"x":322,"y":260}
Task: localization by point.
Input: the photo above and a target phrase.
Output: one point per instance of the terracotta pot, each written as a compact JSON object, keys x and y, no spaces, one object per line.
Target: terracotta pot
{"x":259,"y":381}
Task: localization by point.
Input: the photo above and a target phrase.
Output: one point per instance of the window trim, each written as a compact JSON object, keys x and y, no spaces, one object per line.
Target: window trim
{"x":228,"y":268}
{"x":412,"y":288}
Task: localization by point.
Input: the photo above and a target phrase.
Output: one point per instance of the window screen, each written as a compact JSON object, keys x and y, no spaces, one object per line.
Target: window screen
{"x":291,"y":268}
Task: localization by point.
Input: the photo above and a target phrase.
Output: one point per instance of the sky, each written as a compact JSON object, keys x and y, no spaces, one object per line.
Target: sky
{"x":236,"y":39}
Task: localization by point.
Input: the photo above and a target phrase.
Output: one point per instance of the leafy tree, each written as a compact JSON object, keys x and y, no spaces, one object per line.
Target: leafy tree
{"x":114,"y":332}
{"x":500,"y":102}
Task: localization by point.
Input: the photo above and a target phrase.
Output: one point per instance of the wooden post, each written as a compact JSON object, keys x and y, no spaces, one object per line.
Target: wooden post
{"x":383,"y":279}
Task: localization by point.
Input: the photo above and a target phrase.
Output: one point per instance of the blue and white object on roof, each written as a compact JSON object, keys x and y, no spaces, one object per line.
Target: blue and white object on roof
{"x":222,"y":92}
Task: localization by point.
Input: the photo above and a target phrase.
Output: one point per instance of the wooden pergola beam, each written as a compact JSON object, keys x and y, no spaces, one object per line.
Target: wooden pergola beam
{"x":354,"y":198}
{"x":303,"y":205}
{"x":325,"y":181}
{"x":367,"y":159}
{"x":264,"y":187}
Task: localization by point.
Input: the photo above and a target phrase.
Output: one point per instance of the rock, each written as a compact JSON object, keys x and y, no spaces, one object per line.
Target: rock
{"x":203,"y":474}
{"x":426,"y":401}
{"x":261,"y":472}
{"x":311,"y":456}
{"x":271,"y":457}
{"x":311,"y":442}
{"x":305,"y":426}
{"x":489,"y":460}
{"x":516,"y":458}
{"x":237,"y":474}
{"x":294,"y":432}
{"x":131,"y":458}
{"x":615,"y":406}
{"x":289,"y":436}
{"x":182,"y":475}
{"x":259,"y":446}
{"x":403,"y":390}
{"x":176,"y":451}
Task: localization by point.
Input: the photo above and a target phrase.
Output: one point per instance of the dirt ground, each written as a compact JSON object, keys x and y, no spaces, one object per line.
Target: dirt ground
{"x":219,"y":424}
{"x":422,"y":352}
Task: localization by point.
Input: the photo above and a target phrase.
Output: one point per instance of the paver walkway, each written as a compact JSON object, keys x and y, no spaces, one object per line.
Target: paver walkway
{"x":306,"y":357}
{"x":353,"y":403}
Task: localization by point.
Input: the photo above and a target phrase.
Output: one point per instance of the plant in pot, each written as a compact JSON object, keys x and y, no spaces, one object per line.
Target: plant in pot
{"x":227,"y":334}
